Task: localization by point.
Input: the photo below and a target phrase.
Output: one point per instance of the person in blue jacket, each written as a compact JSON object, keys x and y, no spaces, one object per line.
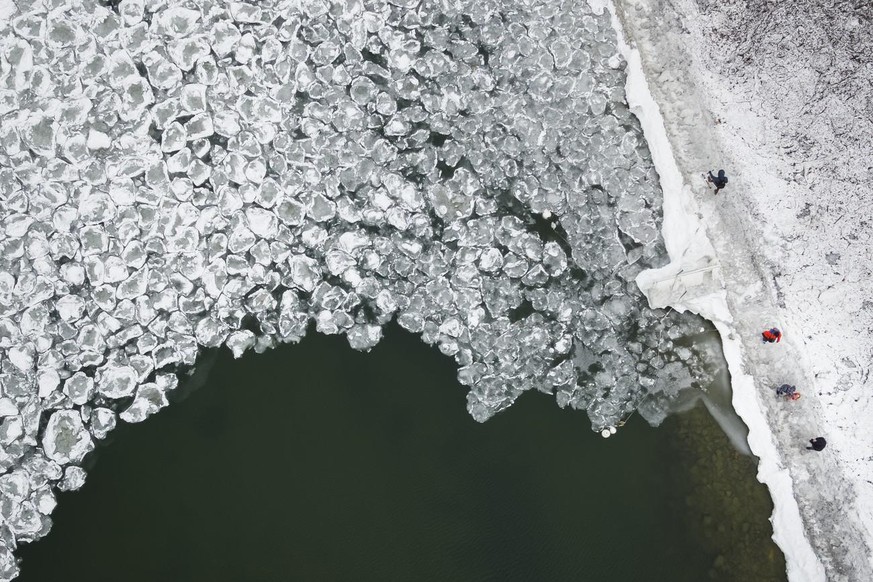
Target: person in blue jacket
{"x":719,"y":181}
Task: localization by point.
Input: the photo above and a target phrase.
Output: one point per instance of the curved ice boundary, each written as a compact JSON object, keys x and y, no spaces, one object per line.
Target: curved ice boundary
{"x":177,"y":177}
{"x":692,"y":282}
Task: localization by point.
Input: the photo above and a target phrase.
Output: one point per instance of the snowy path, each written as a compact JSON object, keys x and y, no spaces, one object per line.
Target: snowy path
{"x":755,"y":93}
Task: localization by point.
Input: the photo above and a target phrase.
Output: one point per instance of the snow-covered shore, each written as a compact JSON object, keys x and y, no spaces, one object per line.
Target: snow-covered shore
{"x":786,"y":244}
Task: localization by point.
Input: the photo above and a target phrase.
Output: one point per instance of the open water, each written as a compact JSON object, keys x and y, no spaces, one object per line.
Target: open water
{"x":316,"y":462}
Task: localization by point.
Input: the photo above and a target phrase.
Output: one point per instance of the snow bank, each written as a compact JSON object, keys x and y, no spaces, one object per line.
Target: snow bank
{"x":683,"y":285}
{"x":784,"y":107}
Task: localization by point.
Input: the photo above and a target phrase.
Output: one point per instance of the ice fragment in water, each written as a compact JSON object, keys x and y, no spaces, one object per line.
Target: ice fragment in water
{"x":174,"y":137}
{"x":79,"y":388}
{"x":65,"y":439}
{"x":74,"y":478}
{"x":177,"y":22}
{"x":102,"y":422}
{"x":199,"y":126}
{"x":48,"y":381}
{"x":117,"y":381}
{"x":193,"y":98}
{"x":364,"y":337}
{"x":240,"y":341}
{"x":149,"y":399}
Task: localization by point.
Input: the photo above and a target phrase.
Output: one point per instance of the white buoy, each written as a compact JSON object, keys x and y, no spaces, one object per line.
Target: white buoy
{"x":605,"y":433}
{"x":612,"y":430}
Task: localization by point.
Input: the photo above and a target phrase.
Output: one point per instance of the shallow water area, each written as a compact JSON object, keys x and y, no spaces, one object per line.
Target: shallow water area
{"x":317,"y":462}
{"x":717,"y":395}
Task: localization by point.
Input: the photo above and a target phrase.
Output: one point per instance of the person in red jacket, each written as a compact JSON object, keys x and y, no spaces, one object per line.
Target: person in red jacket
{"x":772,"y":335}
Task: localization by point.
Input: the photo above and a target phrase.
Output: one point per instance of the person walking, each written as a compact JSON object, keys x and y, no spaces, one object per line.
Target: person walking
{"x":719,"y":181}
{"x":771,"y":335}
{"x":784,"y":390}
{"x":817,"y":444}
{"x":788,"y":391}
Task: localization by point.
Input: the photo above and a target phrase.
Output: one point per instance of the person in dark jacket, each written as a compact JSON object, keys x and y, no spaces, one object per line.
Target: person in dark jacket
{"x":771,"y":335}
{"x":818,"y":443}
{"x":719,"y":181}
{"x":788,"y":391}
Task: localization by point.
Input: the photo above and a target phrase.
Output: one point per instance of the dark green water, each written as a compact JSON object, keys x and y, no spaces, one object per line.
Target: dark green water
{"x":315,"y":462}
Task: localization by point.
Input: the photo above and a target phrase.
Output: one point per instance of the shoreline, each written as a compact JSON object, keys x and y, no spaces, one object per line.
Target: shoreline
{"x":689,"y":247}
{"x":694,"y":281}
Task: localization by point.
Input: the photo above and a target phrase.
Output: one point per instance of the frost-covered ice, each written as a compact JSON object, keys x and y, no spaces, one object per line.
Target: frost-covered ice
{"x":178,"y":177}
{"x":65,"y":439}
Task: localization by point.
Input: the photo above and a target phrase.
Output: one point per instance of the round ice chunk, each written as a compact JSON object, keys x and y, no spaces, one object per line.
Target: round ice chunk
{"x":117,"y":381}
{"x":65,"y":439}
{"x":79,"y":388}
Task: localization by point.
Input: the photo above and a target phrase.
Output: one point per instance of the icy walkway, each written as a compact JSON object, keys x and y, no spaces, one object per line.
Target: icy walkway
{"x":777,"y":98}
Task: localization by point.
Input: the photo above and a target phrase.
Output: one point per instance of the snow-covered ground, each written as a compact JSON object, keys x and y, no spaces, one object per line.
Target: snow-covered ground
{"x":779,"y":95}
